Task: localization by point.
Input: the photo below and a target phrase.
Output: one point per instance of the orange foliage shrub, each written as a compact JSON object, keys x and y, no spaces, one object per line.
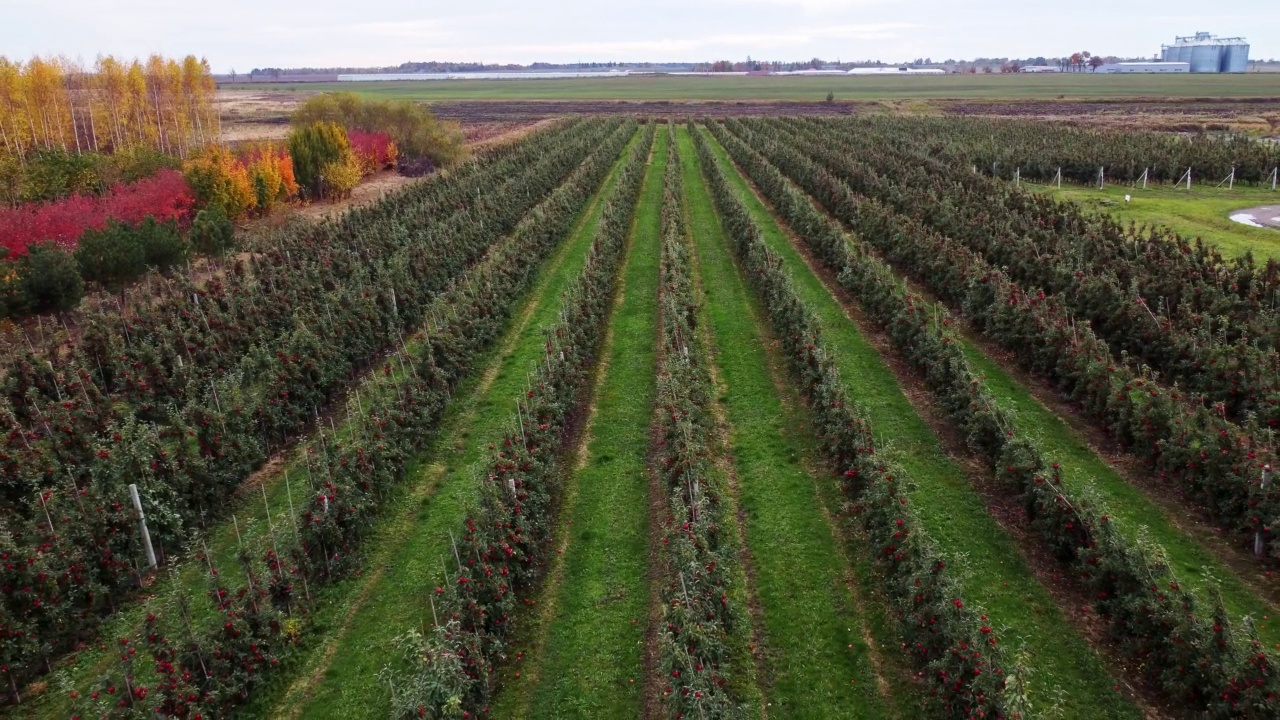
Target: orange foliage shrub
{"x":271,"y":176}
{"x":255,"y":181}
{"x":218,"y":178}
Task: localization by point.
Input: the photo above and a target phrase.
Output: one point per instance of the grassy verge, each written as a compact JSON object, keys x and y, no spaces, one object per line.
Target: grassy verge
{"x":591,"y":662}
{"x":339,"y":676}
{"x":818,"y":662}
{"x":1203,"y":212}
{"x":1066,"y":669}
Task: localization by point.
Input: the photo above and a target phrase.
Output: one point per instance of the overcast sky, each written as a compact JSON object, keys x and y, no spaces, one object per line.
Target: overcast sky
{"x":244,"y":34}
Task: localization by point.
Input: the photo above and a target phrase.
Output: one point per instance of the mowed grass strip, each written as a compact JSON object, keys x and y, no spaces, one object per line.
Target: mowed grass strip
{"x":340,"y":677}
{"x":1064,"y":667}
{"x":591,"y":664}
{"x":1195,"y":566}
{"x":817,"y":661}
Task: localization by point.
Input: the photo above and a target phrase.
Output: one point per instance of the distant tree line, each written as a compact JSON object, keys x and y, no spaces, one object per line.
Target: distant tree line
{"x":1082,"y":61}
{"x":437,"y":66}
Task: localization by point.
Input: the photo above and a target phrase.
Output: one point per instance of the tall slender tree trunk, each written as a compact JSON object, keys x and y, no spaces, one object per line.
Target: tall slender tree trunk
{"x":182,"y":136}
{"x":115,"y":125}
{"x":75,"y":128}
{"x":139,"y":126}
{"x":199,"y":127}
{"x":44,"y":129}
{"x":17,"y":141}
{"x":62,"y":131}
{"x":93,"y":128}
{"x":155,"y":99}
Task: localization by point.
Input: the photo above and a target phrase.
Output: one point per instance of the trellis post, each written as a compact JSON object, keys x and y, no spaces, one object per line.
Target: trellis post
{"x":47,"y":518}
{"x":1259,"y":548}
{"x":142,"y":525}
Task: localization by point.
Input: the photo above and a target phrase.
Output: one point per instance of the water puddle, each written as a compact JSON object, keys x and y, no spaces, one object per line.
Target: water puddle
{"x":1246,"y":219}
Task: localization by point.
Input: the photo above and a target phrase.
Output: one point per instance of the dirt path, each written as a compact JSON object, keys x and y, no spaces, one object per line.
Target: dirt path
{"x":366,"y":193}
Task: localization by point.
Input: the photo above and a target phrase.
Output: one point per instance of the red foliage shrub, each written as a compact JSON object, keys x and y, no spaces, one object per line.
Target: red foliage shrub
{"x":164,"y":196}
{"x":374,"y":150}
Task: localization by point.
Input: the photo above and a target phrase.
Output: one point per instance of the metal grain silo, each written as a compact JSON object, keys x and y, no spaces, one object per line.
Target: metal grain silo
{"x":1235,"y":56}
{"x":1206,"y":57}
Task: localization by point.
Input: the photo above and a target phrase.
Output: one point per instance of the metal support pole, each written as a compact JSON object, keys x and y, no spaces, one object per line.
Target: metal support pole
{"x":1258,"y":547}
{"x":142,"y":525}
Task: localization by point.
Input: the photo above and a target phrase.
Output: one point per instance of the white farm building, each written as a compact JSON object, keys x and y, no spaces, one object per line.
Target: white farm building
{"x":1145,"y":67}
{"x":897,"y":71}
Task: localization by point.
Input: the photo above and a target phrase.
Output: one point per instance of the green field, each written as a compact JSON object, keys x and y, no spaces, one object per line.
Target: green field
{"x":810,"y":89}
{"x":1202,"y":212}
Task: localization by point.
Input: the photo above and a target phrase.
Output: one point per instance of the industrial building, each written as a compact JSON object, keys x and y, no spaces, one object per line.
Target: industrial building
{"x":896,"y":71}
{"x":1145,"y":67}
{"x":1206,"y":53}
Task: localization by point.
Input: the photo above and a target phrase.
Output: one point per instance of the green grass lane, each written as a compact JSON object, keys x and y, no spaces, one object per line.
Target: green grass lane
{"x":817,"y":661}
{"x":1195,"y":567}
{"x":591,"y":664}
{"x":1203,"y":212}
{"x":993,"y":573}
{"x":1049,"y":86}
{"x":340,"y":677}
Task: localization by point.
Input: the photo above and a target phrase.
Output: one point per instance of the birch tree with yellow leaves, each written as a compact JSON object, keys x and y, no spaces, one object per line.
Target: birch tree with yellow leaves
{"x":52,"y":103}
